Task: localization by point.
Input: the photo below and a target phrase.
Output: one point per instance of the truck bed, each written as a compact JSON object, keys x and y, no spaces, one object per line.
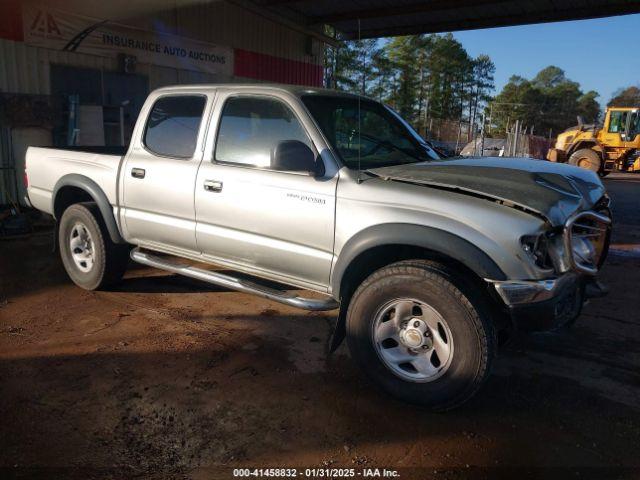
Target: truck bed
{"x":45,"y":166}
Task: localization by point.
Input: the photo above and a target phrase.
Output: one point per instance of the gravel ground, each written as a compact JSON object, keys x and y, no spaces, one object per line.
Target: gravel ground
{"x":168,"y":378}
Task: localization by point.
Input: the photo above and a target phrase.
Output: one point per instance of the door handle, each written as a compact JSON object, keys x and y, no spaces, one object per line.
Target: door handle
{"x":137,"y":172}
{"x":212,"y":186}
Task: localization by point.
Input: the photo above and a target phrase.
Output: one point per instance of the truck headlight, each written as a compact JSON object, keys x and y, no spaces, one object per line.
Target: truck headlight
{"x":580,"y":246}
{"x":586,"y":236}
{"x":537,"y":247}
{"x":583,"y":250}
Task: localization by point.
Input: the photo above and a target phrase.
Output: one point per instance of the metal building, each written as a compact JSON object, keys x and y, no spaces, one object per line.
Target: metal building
{"x":77,"y":72}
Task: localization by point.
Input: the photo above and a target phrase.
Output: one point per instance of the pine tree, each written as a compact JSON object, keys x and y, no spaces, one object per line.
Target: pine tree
{"x":483,"y":85}
{"x":401,"y":52}
{"x":421,"y":76}
{"x":349,"y":66}
{"x":450,"y":69}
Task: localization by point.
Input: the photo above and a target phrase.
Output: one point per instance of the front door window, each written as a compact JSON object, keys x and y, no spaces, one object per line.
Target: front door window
{"x":251,"y":127}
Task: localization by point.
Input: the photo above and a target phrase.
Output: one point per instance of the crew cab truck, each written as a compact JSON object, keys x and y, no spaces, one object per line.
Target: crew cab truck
{"x":428,"y":259}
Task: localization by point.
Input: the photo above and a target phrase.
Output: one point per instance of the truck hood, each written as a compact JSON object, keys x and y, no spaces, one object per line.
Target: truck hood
{"x":553,"y":191}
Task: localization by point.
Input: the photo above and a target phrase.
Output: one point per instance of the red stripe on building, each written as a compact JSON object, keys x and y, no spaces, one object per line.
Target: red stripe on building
{"x":11,"y":20}
{"x":275,"y":69}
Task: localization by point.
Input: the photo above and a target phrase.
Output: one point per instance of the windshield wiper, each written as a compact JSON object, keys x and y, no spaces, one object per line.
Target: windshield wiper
{"x":387,"y":143}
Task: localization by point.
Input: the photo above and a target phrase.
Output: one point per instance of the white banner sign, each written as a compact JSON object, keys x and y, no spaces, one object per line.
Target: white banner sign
{"x":50,"y":28}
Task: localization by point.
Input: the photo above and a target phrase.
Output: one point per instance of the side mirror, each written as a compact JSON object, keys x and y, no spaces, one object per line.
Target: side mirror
{"x":293,"y":156}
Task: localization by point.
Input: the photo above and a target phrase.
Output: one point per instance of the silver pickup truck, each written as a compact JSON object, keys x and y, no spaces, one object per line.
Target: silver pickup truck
{"x":429,"y":260}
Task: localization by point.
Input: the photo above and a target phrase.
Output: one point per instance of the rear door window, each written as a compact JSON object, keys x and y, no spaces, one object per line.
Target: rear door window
{"x":173,"y":125}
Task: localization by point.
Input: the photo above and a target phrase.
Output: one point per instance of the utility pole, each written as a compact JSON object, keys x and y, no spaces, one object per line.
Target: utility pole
{"x":515,"y":138}
{"x":490,"y":116}
{"x":482,"y":136}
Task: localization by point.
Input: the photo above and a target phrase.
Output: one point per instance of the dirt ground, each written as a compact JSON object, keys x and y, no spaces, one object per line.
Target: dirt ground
{"x":165,"y":377}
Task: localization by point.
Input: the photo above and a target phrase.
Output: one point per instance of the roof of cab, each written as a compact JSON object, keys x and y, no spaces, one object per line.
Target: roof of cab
{"x":297,"y":90}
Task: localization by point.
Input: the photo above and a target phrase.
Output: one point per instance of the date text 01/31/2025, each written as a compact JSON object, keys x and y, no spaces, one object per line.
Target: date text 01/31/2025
{"x":316,"y":472}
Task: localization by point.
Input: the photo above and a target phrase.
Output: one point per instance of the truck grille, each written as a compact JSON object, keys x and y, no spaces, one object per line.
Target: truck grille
{"x":587,"y":240}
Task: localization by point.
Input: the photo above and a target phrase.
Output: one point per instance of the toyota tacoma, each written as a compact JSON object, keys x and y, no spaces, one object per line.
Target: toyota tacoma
{"x":430,"y":261}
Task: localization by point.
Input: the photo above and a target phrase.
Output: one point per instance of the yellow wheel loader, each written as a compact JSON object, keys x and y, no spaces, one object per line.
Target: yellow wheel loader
{"x":612,"y":147}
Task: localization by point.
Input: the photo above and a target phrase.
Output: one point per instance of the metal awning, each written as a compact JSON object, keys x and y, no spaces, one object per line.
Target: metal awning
{"x":383,"y":18}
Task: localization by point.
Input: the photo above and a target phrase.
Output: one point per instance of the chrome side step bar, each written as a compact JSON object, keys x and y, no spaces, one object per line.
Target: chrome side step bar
{"x":233,"y":283}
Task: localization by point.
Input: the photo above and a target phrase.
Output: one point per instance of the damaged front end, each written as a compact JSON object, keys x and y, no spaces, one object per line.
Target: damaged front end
{"x":573,"y":255}
{"x":569,"y":250}
{"x":548,"y":190}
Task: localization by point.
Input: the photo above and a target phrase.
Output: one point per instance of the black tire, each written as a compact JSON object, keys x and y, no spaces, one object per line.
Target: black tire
{"x":587,"y":159}
{"x":109,"y":259}
{"x":473,"y":335}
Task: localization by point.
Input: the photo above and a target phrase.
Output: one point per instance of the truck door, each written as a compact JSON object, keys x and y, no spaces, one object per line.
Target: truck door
{"x":159,"y":173}
{"x":280,"y":223}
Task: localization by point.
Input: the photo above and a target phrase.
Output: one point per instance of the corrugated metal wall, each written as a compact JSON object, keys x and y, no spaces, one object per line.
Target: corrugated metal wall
{"x":25,"y":69}
{"x":8,"y":189}
{"x":264,"y":51}
{"x":228,"y":24}
{"x":217,"y":22}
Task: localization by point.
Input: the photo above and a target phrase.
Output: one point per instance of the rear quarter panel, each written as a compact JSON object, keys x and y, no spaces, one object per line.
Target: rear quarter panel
{"x":45,"y":166}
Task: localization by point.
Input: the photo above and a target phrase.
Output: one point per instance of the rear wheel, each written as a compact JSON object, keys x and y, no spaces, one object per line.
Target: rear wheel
{"x":89,"y":256}
{"x":418,"y":336}
{"x":587,"y":159}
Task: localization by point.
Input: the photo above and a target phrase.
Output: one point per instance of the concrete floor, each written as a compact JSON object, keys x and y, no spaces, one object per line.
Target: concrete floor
{"x":167,"y":378}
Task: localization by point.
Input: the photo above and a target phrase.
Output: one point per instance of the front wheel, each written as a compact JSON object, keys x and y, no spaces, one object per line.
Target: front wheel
{"x":418,"y":336}
{"x":587,"y":159}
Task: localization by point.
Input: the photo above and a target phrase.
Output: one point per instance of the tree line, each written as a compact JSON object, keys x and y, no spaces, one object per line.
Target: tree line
{"x":426,"y":77}
{"x":422,"y":76}
{"x":547,"y":104}
{"x":626,"y":97}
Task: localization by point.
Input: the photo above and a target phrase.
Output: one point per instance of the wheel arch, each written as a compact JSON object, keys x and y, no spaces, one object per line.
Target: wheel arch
{"x":74,"y":188}
{"x":381,"y":245}
{"x":590,"y":144}
{"x":410,"y":239}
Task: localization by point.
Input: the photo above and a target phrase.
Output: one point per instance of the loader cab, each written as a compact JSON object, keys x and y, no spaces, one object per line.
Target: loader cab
{"x":622,"y":126}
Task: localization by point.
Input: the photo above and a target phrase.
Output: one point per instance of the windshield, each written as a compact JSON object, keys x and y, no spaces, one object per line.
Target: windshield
{"x":634,"y":125}
{"x":378,"y":138}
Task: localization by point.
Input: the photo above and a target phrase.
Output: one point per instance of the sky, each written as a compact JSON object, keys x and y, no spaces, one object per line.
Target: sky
{"x":600,"y":55}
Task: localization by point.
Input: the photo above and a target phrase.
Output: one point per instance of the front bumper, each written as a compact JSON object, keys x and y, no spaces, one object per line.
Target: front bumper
{"x":547,"y":304}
